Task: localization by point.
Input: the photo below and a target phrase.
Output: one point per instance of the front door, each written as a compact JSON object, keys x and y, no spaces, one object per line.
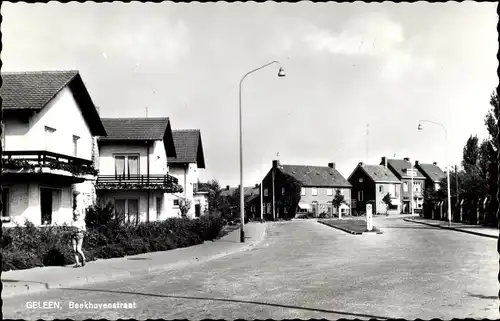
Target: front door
{"x":46,"y":205}
{"x":197,"y":210}
{"x":315,"y":209}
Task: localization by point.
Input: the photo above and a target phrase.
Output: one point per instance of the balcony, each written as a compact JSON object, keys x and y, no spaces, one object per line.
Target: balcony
{"x":27,"y":165}
{"x":166,"y":183}
{"x":201,"y":188}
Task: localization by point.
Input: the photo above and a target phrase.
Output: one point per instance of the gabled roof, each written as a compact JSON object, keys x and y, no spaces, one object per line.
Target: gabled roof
{"x":316,"y":176}
{"x":140,"y":129}
{"x":398,"y":167}
{"x":431,"y":171}
{"x":249,"y":191}
{"x":33,"y":90}
{"x":189,"y":147}
{"x":379,"y":173}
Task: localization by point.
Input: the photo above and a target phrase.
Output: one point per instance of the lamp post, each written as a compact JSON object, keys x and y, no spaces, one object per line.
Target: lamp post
{"x":420,"y":127}
{"x":281,"y":73}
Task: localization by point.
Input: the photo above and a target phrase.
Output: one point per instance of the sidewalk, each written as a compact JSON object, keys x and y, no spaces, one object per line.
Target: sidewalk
{"x":39,"y":279}
{"x":466,"y":228}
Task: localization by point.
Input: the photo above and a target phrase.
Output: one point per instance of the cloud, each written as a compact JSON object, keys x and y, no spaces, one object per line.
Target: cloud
{"x":372,"y":34}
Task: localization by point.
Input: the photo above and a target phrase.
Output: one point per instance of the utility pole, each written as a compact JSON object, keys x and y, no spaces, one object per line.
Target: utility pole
{"x":146,"y":112}
{"x":456,"y":181}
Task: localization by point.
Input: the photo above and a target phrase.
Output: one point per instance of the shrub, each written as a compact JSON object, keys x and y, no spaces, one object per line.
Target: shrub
{"x":27,"y":246}
{"x":99,"y":215}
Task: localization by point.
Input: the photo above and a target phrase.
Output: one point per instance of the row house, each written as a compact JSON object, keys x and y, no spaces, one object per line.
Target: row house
{"x":186,"y":167}
{"x":370,"y":184}
{"x":133,"y":173}
{"x":48,"y":139}
{"x":318,"y":186}
{"x":394,"y":176}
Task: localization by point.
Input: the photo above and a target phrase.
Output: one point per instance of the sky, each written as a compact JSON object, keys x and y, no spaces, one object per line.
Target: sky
{"x":349,"y":67}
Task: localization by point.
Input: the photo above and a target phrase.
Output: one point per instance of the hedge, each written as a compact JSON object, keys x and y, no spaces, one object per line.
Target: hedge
{"x":27,"y":246}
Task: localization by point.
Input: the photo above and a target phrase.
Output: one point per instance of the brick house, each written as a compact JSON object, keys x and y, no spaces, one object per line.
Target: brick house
{"x":402,"y":169}
{"x":370,"y":184}
{"x":433,"y":174}
{"x":319,"y":185}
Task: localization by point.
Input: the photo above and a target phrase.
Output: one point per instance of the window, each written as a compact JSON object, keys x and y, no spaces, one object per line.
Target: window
{"x":159,"y":205}
{"x":5,"y":203}
{"x":268,"y":208}
{"x":361,"y":179}
{"x":302,"y":191}
{"x":126,"y":165}
{"x":381,"y":188}
{"x":329,"y":191}
{"x":405,"y":187}
{"x":360,"y":195}
{"x":283,"y":191}
{"x":285,"y":210}
{"x":127,"y":209}
{"x":314,"y":191}
{"x":75,"y":145}
{"x":176,"y":202}
{"x":392,"y":190}
{"x":417,"y":187}
{"x":49,"y":138}
{"x":436,"y":186}
{"x":266,"y":192}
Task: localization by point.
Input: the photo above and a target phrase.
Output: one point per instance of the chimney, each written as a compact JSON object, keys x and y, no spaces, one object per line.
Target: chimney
{"x":256,"y":185}
{"x":360,"y":163}
{"x":331,"y":165}
{"x":407,"y":159}
{"x":276,"y":163}
{"x":384,"y":161}
{"x":435,"y":163}
{"x":417,"y":163}
{"x":227,"y":187}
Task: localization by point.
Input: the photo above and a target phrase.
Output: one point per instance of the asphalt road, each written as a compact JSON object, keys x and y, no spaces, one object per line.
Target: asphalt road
{"x":306,"y":270}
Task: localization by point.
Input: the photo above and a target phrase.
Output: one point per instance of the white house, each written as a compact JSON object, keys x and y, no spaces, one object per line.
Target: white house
{"x":186,"y":167}
{"x":49,"y":125}
{"x":133,"y":169}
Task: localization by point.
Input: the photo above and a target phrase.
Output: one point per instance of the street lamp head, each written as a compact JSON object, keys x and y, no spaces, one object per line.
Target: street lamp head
{"x":281,"y":72}
{"x":420,"y":127}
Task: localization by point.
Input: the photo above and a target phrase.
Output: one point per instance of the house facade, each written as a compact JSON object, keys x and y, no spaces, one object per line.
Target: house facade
{"x":251,"y":198}
{"x":186,"y":167}
{"x":370,"y":184}
{"x":404,"y":170}
{"x":133,"y":168}
{"x":49,"y":129}
{"x":318,"y":188}
{"x":433,"y":174}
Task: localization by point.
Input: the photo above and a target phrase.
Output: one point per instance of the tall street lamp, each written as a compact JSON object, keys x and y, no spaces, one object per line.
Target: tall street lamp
{"x":420,"y":127}
{"x":281,"y":73}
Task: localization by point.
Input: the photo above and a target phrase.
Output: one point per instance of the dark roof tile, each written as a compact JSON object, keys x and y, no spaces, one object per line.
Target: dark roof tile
{"x":432,"y":171}
{"x":189,"y":147}
{"x":319,"y":176}
{"x":380,"y":173}
{"x":399,"y":167}
{"x":135,"y":128}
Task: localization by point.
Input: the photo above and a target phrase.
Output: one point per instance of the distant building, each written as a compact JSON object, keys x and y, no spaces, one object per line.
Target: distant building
{"x":318,"y":188}
{"x":370,"y":184}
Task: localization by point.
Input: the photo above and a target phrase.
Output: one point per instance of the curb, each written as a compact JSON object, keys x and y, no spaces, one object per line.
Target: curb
{"x":31,"y":287}
{"x":351,"y":232}
{"x":453,"y":229}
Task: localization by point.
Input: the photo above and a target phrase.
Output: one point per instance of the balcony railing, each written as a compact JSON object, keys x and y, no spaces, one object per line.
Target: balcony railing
{"x":200,"y":188}
{"x":131,"y":182}
{"x":35,"y":161}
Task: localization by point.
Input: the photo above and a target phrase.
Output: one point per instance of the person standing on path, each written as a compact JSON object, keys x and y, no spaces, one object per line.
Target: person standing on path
{"x":79,"y":230}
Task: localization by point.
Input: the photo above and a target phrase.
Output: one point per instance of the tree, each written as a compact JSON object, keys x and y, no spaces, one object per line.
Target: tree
{"x":388,"y":202}
{"x":471,"y":155}
{"x":337,"y":201}
{"x":491,"y":121}
{"x":214,"y":198}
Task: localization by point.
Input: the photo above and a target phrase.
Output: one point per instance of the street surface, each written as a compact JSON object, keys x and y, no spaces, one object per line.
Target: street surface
{"x":304,"y":269}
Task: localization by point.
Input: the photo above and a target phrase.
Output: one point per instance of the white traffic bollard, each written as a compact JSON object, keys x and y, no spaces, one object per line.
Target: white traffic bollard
{"x":369,"y":217}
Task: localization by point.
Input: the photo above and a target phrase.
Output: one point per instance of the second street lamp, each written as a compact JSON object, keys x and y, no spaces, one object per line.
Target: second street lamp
{"x":281,"y":73}
{"x":420,"y":127}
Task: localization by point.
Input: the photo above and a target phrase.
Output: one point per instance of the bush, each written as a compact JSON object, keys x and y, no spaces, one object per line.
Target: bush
{"x":27,"y":246}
